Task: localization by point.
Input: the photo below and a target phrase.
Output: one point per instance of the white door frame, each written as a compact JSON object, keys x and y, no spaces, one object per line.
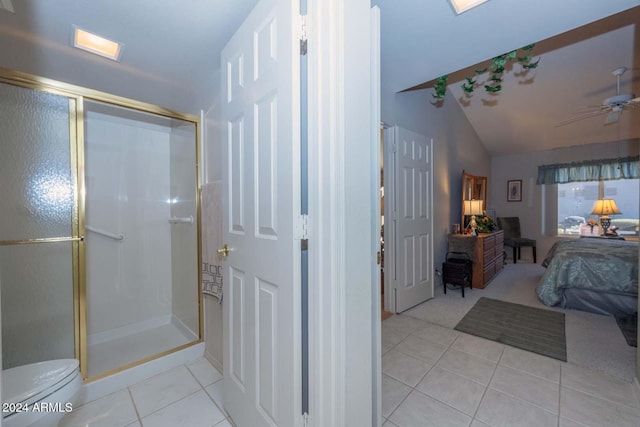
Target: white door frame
{"x":341,"y":266}
{"x":376,"y":312}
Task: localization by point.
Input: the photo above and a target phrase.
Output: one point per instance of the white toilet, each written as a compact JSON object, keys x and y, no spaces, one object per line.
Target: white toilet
{"x":39,"y":394}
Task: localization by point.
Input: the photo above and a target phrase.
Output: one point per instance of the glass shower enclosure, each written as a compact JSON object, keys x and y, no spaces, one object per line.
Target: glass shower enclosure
{"x":141,"y":240}
{"x":99,"y":237}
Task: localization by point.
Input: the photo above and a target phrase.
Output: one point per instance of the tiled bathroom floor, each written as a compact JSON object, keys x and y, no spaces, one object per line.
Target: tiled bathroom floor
{"x":431,"y":376}
{"x":189,"y":396}
{"x":436,"y":376}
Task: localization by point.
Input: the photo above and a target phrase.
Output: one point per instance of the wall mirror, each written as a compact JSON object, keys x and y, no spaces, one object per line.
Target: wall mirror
{"x":473,"y":188}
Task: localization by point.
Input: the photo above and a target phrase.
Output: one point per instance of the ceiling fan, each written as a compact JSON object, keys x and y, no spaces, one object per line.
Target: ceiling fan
{"x":611,"y":106}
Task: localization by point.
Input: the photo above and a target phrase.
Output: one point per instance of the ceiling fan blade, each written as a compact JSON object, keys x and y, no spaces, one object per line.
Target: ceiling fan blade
{"x":591,"y":107}
{"x":613,"y":116}
{"x":581,"y":117}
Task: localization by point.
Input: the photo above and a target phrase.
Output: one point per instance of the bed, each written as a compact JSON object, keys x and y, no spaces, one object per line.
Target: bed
{"x":591,"y":274}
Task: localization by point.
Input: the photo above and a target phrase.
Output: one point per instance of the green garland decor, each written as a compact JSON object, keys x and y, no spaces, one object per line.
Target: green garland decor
{"x":496,"y":69}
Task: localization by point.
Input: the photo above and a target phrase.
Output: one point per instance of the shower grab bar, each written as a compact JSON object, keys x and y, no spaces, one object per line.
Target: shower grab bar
{"x":181,"y":220}
{"x":105,"y":233}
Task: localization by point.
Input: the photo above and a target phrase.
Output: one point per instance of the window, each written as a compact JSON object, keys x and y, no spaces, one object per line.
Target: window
{"x":576,"y":199}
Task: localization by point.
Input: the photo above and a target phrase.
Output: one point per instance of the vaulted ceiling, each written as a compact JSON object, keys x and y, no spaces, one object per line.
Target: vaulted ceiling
{"x":578,"y":49}
{"x":545,"y":108}
{"x":174,"y":47}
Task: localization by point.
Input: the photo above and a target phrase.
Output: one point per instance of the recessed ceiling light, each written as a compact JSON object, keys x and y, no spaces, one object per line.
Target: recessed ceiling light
{"x":6,"y":5}
{"x":93,"y":43}
{"x":463,"y":5}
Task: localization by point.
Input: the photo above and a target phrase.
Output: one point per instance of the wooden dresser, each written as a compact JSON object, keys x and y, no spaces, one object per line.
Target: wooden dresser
{"x":485,"y":250}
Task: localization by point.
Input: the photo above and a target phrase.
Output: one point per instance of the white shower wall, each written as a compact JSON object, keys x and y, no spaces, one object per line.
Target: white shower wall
{"x":128,"y":191}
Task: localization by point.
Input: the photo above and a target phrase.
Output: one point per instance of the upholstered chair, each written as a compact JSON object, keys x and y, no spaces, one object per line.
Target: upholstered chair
{"x":512,"y":237}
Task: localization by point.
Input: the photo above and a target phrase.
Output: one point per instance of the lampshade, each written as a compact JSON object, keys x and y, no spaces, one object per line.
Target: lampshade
{"x":473,"y":207}
{"x":605,"y":207}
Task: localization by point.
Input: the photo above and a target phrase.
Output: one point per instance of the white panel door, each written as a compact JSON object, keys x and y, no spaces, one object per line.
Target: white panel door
{"x":413,"y":219}
{"x":260,"y":113}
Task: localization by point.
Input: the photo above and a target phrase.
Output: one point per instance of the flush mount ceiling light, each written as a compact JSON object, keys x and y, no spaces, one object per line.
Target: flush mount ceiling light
{"x":463,"y":5}
{"x":93,"y":43}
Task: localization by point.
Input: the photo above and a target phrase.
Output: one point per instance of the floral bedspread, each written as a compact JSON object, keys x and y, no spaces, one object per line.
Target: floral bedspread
{"x":600,"y":265}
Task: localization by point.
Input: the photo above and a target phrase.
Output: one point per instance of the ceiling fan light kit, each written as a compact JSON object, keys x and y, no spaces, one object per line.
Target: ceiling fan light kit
{"x":614,"y":105}
{"x":618,"y":100}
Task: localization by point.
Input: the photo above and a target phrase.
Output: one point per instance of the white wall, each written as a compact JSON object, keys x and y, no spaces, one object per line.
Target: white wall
{"x":213,"y":137}
{"x":525,"y":167}
{"x":455,"y":147}
{"x":128,"y":188}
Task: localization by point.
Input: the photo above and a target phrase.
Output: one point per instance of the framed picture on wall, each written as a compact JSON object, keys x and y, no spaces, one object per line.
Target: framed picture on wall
{"x":514,"y":190}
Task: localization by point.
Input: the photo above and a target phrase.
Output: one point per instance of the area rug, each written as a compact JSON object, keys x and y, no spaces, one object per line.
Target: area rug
{"x":529,"y":328}
{"x":628,"y":324}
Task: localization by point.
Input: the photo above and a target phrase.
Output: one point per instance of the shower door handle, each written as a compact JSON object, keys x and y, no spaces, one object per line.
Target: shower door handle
{"x":224,"y":251}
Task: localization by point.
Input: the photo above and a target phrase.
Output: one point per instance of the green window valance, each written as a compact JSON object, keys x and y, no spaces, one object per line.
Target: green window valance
{"x":590,"y":170}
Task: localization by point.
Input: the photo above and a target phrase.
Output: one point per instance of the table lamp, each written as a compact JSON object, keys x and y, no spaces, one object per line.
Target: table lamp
{"x":603,"y":208}
{"x":473,"y":208}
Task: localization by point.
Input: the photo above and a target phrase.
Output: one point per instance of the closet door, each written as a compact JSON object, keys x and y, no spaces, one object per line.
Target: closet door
{"x":413,"y":219}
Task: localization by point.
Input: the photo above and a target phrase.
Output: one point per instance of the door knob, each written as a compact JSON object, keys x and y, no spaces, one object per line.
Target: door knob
{"x":224,"y":251}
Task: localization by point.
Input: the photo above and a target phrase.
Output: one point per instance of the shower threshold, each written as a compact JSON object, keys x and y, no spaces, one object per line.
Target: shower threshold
{"x":109,"y":355}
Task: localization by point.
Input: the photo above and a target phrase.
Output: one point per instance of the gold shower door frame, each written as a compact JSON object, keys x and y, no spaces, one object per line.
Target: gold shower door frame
{"x":76,"y":96}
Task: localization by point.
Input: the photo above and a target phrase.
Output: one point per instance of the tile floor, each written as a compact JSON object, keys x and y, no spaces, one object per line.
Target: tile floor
{"x":436,"y":376}
{"x":431,"y":376}
{"x":189,"y":395}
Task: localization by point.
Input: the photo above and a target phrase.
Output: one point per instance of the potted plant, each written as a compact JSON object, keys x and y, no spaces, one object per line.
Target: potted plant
{"x":485,"y":224}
